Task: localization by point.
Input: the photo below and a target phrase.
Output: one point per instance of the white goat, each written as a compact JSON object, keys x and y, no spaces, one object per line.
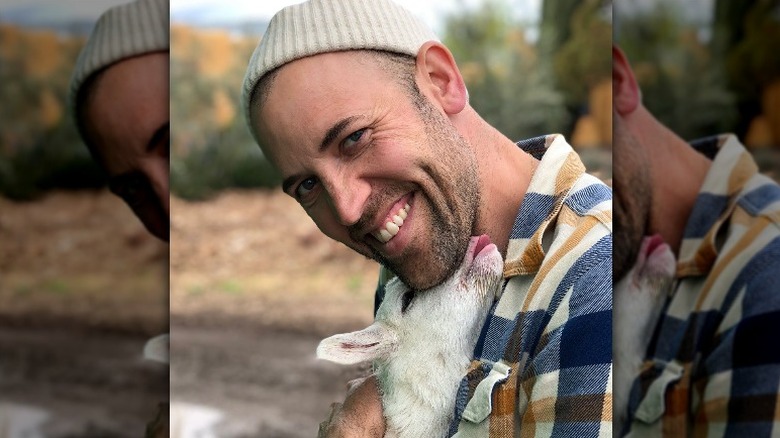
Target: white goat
{"x":423,"y":341}
{"x":638,"y":300}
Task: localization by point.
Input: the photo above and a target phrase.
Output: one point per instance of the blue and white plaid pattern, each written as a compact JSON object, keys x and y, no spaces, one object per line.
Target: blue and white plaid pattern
{"x":543,"y":362}
{"x":714,"y":364}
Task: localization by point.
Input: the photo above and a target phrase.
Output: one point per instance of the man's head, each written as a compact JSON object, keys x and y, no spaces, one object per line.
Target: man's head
{"x":358,"y":105}
{"x":119,"y":98}
{"x":632,"y":191}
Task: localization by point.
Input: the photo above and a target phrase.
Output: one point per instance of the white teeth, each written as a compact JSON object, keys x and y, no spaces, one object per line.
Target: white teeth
{"x":392,"y":227}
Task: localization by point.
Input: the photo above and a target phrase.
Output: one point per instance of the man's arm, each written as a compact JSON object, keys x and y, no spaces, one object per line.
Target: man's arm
{"x":359,"y":416}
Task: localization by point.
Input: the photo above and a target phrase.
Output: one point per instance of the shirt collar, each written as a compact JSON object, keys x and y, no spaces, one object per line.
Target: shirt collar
{"x":731,"y":169}
{"x":558,"y":170}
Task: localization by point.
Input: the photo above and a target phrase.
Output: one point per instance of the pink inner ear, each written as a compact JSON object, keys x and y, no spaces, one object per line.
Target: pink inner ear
{"x":352,"y":346}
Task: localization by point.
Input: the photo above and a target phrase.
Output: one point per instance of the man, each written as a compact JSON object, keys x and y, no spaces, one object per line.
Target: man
{"x":119,"y":98}
{"x":714,"y":367}
{"x":365,"y":114}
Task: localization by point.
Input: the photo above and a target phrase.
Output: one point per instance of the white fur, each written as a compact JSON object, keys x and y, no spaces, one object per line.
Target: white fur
{"x":638,"y":300}
{"x":421,"y":355}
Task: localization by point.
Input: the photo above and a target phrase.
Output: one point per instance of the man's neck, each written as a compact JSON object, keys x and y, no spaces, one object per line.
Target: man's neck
{"x":505,"y":173}
{"x":677,"y":172}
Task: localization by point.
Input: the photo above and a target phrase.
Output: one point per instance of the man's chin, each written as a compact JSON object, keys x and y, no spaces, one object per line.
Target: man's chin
{"x":422,"y":276}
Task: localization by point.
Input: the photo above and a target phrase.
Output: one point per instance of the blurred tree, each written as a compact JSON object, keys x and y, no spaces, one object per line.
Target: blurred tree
{"x":554,"y":29}
{"x":211,"y":147}
{"x":585,"y":59}
{"x":40,"y":148}
{"x":501,"y":72}
{"x":753,"y":63}
{"x":681,"y":85}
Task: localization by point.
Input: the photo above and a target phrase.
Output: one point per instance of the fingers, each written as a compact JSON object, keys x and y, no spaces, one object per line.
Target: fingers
{"x":325,"y":427}
{"x":359,"y":416}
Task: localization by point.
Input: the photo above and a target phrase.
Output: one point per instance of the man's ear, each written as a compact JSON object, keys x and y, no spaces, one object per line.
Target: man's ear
{"x":626,"y":95}
{"x":439,"y":78}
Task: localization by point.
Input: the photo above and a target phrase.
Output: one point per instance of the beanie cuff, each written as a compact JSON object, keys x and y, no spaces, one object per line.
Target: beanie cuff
{"x":322,"y":26}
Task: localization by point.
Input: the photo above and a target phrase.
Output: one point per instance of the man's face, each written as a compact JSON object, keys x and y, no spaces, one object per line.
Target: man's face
{"x":355,"y":149}
{"x":632,"y":197}
{"x":126,"y":120}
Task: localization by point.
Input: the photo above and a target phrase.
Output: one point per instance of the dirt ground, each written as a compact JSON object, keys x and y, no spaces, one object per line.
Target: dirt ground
{"x":253,"y":288}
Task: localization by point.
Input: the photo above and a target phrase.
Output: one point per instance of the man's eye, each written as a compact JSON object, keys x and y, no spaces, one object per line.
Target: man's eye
{"x":353,"y":138}
{"x":305,"y":187}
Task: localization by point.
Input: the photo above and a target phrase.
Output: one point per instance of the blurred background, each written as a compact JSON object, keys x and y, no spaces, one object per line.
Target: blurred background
{"x":707,"y":67}
{"x":82,"y":284}
{"x":254,"y":284}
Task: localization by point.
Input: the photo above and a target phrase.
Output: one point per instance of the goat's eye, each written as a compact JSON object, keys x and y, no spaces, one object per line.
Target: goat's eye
{"x":406,"y":300}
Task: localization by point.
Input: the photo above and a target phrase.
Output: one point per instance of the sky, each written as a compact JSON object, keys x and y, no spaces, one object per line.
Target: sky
{"x":430,"y":11}
{"x":227,"y":11}
{"x":54,"y":11}
{"x":199,"y":12}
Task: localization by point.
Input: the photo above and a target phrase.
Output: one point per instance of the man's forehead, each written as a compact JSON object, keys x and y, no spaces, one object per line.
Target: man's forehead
{"x":319,"y":89}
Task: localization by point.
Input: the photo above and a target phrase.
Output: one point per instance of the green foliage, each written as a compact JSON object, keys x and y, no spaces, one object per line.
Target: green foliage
{"x":204,"y":171}
{"x":680,"y":83}
{"x":52,"y":159}
{"x":40,"y":148}
{"x":500,"y":68}
{"x":754,"y":62}
{"x":212,"y":149}
{"x":585,"y":58}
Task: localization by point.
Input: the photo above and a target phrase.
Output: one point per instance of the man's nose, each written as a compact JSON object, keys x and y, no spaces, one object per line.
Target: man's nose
{"x":347,"y":199}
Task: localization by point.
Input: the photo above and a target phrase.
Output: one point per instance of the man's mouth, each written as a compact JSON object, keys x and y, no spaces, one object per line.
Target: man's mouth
{"x":391,"y":227}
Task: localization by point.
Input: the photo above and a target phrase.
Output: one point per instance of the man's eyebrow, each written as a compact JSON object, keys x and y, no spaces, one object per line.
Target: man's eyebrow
{"x":335,"y":131}
{"x":331,"y":135}
{"x":158,"y":135}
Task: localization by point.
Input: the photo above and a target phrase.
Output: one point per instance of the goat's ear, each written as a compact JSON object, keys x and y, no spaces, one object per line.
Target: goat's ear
{"x":370,"y":343}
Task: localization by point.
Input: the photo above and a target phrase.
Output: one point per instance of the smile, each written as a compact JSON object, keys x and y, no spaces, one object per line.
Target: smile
{"x":390,"y":229}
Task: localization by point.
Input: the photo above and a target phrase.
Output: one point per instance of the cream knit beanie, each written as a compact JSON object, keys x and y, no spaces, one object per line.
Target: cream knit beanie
{"x":123,"y":31}
{"x":321,"y":26}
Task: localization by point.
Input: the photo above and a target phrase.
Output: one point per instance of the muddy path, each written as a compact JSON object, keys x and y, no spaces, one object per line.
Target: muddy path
{"x":85,"y":383}
{"x":248,"y":284}
{"x":263,"y":383}
{"x":266,"y":383}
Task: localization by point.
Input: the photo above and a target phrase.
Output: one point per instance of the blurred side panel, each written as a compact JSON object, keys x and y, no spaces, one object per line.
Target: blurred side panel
{"x":83,"y":285}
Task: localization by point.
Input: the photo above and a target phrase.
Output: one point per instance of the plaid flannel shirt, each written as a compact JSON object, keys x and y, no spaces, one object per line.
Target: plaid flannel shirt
{"x":543,"y":362}
{"x":714,"y":362}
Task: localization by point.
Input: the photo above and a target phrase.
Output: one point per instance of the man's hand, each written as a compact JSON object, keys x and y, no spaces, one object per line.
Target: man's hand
{"x":359,"y":416}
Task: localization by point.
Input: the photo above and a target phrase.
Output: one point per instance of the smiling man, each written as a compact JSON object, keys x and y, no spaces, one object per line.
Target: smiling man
{"x":366,"y":115}
{"x":119,"y":97}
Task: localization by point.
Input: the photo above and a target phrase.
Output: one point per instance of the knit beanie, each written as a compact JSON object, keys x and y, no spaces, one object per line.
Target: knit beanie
{"x":322,"y":26}
{"x":124,"y":31}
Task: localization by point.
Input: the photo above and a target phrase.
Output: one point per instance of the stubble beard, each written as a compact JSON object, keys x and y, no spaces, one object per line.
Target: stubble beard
{"x":632,"y":201}
{"x":451,"y":217}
